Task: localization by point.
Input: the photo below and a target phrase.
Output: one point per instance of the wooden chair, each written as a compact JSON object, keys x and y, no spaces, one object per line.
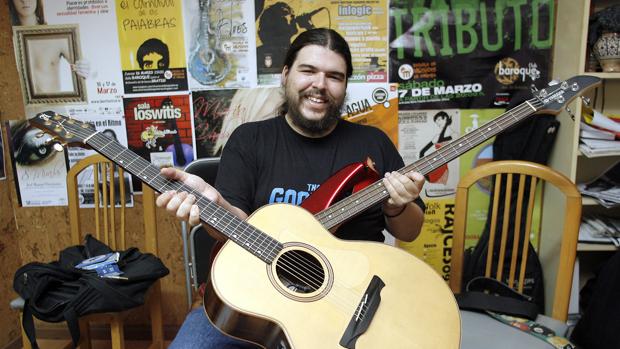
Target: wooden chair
{"x":513,"y":175}
{"x":106,"y":222}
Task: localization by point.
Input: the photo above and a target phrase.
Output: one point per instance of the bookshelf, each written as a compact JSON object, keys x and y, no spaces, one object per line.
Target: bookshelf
{"x":570,"y":58}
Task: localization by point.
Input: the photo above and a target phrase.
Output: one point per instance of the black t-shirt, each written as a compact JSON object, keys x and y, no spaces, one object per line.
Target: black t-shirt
{"x":268,"y":162}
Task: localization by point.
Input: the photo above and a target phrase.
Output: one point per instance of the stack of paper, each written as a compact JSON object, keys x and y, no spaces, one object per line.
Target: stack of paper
{"x":600,"y":229}
{"x":605,"y":188}
{"x":599,"y":135}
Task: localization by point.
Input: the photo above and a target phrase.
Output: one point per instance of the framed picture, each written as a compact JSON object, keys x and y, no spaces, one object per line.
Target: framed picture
{"x":46,"y":58}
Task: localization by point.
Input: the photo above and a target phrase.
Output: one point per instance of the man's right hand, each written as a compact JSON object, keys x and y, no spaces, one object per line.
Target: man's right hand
{"x":182,"y":204}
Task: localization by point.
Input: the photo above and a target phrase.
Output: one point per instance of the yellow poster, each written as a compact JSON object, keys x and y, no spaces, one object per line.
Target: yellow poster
{"x":434,"y":244}
{"x":151,"y":45}
{"x":363,"y":23}
{"x":375,"y":105}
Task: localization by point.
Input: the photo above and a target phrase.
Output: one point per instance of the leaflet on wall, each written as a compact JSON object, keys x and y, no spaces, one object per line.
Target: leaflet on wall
{"x":363,"y":24}
{"x":152,"y":49}
{"x":469,"y":55}
{"x":113,"y":127}
{"x":66,"y":36}
{"x":434,"y":244}
{"x":375,"y":105}
{"x":40,"y":171}
{"x":217,"y":113}
{"x":421,"y":133}
{"x":159,"y":129}
{"x":472,"y":119}
{"x":2,"y":165}
{"x":220,"y":39}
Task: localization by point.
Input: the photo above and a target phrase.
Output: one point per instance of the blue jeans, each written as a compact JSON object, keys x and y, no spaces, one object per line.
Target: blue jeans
{"x":198,"y":332}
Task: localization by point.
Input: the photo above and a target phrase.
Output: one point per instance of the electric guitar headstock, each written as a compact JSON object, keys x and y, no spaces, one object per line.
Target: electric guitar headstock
{"x":552,"y":99}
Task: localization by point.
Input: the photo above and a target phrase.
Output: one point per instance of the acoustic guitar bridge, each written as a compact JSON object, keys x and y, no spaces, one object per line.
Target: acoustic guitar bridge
{"x":366,"y":309}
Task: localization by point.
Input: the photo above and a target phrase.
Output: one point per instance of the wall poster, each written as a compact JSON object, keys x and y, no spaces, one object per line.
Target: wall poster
{"x":151,"y":46}
{"x":159,"y":129}
{"x":40,"y":171}
{"x":469,"y":54}
{"x":221,"y":43}
{"x":114,"y":128}
{"x":363,"y":24}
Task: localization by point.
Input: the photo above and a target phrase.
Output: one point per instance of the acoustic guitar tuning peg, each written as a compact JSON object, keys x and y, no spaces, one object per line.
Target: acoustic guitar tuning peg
{"x":59,"y":147}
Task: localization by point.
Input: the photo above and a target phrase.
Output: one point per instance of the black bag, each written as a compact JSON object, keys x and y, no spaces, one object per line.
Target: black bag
{"x":598,"y":326}
{"x":531,"y":140}
{"x":58,"y":291}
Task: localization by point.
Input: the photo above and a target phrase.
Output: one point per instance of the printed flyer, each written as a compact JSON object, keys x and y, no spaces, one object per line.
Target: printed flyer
{"x":421,"y":133}
{"x":363,"y":24}
{"x":114,"y":128}
{"x":469,"y":54}
{"x":159,"y":129}
{"x":434,"y":244}
{"x":40,"y":171}
{"x":217,"y":113}
{"x":375,"y":105}
{"x":84,"y":76}
{"x":152,"y":48}
{"x":221,"y":41}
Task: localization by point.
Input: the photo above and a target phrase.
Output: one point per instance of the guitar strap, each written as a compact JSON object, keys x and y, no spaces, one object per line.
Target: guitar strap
{"x":535,"y":329}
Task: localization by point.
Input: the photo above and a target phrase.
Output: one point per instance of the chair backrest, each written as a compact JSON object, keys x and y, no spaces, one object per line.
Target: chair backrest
{"x":198,"y":255}
{"x":205,"y":168}
{"x":104,"y":203}
{"x":522,"y":178}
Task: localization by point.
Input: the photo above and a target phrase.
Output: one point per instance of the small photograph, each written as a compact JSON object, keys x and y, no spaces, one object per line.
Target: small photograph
{"x":48,"y":59}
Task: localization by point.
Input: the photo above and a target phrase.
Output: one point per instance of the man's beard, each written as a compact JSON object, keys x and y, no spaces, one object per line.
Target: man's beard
{"x":312,"y":127}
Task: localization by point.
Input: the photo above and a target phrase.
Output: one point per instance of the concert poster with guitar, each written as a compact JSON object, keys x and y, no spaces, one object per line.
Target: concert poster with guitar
{"x":220,"y":39}
{"x":159,"y":129}
{"x":150,"y":35}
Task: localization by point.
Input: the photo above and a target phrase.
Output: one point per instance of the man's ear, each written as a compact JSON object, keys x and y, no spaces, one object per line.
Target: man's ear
{"x":284,"y":75}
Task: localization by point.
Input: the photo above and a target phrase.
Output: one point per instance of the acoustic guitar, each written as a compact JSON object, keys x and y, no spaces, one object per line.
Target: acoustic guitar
{"x":283,"y":279}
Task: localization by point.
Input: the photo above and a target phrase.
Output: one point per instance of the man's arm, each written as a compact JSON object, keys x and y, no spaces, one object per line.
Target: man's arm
{"x":404,"y":218}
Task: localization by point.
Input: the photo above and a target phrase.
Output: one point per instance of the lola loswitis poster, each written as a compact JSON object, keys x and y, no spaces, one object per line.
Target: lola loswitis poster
{"x":159,"y":129}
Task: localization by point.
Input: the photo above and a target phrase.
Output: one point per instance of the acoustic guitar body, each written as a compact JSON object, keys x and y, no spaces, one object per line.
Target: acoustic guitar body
{"x":344,"y":294}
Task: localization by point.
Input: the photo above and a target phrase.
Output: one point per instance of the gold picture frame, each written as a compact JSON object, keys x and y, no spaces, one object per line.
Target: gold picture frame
{"x":45,"y":57}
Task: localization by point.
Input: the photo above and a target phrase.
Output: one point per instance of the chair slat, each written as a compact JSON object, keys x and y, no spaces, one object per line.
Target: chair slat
{"x":505,"y":226}
{"x":517,"y":231}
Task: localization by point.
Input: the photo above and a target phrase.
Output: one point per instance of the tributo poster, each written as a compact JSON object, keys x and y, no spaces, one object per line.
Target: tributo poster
{"x":468,"y":54}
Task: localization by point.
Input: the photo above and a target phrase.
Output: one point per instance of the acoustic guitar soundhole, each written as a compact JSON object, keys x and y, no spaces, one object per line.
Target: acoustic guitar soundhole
{"x":300,"y":271}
